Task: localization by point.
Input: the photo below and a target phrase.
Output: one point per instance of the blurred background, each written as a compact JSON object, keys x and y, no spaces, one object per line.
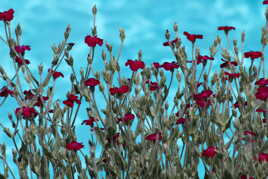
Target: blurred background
{"x":145,"y":22}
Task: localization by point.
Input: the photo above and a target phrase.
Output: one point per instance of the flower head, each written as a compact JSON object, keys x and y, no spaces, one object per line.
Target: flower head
{"x":7,"y":15}
{"x":135,"y":64}
{"x":210,"y":152}
{"x":92,"y":82}
{"x":192,"y":37}
{"x":226,"y":28}
{"x":253,"y":54}
{"x":154,"y":136}
{"x":74,"y":146}
{"x":93,"y":41}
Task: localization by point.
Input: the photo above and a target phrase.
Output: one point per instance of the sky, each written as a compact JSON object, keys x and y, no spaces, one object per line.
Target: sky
{"x":144,"y":21}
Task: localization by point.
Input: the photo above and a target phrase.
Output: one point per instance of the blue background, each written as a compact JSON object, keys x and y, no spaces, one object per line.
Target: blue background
{"x":145,"y":21}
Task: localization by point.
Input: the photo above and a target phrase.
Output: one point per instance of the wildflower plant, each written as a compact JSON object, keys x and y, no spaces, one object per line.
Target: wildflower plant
{"x":233,"y":103}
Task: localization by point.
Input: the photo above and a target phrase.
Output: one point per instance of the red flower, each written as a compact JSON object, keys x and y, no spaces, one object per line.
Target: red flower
{"x":57,"y":74}
{"x":74,"y":146}
{"x":262,"y":93}
{"x":128,"y":117}
{"x":253,"y":54}
{"x":69,"y":103}
{"x":210,"y":152}
{"x":154,"y":137}
{"x":226,"y":28}
{"x":21,"y":61}
{"x":232,"y":75}
{"x":92,"y":82}
{"x":26,"y":112}
{"x":245,"y":177}
{"x":260,"y":110}
{"x":172,"y":42}
{"x":153,"y":86}
{"x":39,"y":101}
{"x":90,"y":121}
{"x":203,"y":103}
{"x":181,"y":120}
{"x":5,"y":92}
{"x":156,"y":65}
{"x":262,"y":82}
{"x":73,"y":98}
{"x":135,"y":64}
{"x":123,"y":89}
{"x":7,"y":15}
{"x":249,"y":133}
{"x":265,"y":2}
{"x":202,"y":59}
{"x":263,"y":157}
{"x":236,"y":105}
{"x":93,"y":41}
{"x":21,"y":49}
{"x":192,"y":37}
{"x":170,"y":66}
{"x":203,"y":95}
{"x":28,"y":94}
{"x":227,"y":63}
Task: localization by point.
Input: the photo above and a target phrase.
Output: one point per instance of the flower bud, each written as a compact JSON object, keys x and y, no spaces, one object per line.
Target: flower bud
{"x":167,"y":35}
{"x":89,"y":59}
{"x":103,"y":55}
{"x":94,"y":10}
{"x":175,"y":27}
{"x":40,"y":69}
{"x":18,"y":31}
{"x":67,"y":32}
{"x":109,"y":47}
{"x":101,"y":87}
{"x":122,"y":35}
{"x":243,"y":37}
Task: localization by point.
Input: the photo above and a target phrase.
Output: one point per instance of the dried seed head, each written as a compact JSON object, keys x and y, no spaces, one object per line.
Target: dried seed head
{"x":167,"y":35}
{"x":94,"y":10}
{"x":40,"y":69}
{"x":175,"y":27}
{"x":18,"y":30}
{"x":243,"y":37}
{"x":122,"y":35}
{"x":103,"y":55}
{"x":225,"y":54}
{"x":67,"y":32}
{"x":218,"y":40}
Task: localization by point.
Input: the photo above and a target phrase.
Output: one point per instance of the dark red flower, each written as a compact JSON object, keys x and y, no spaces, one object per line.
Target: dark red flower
{"x":26,"y":112}
{"x":7,"y":15}
{"x":90,"y":121}
{"x":203,"y":59}
{"x":28,"y":94}
{"x":73,"y":98}
{"x":262,"y":82}
{"x":154,"y":136}
{"x":253,"y":54}
{"x":232,"y":75}
{"x":263,"y":157}
{"x":153,"y":86}
{"x":170,"y":66}
{"x":156,"y":65}
{"x":171,"y":43}
{"x":69,"y":103}
{"x":92,"y":82}
{"x":123,"y":89}
{"x":128,"y":117}
{"x":203,"y":95}
{"x":249,"y":133}
{"x":226,"y":28}
{"x":262,"y":93}
{"x":265,"y":2}
{"x":5,"y":92}
{"x":181,"y":120}
{"x":260,"y":110}
{"x":210,"y":152}
{"x":192,"y":37}
{"x":93,"y":41}
{"x":228,"y":64}
{"x":245,"y":177}
{"x":39,"y":101}
{"x":135,"y":64}
{"x":21,"y":61}
{"x":74,"y":146}
{"x":21,"y":49}
{"x":236,"y":105}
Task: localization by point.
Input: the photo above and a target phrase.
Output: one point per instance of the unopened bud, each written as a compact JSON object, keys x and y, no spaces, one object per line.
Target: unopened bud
{"x":103,"y":55}
{"x":109,"y":47}
{"x":167,"y":35}
{"x":18,"y":31}
{"x":243,"y":37}
{"x":94,"y":10}
{"x":175,"y":27}
{"x":67,"y":32}
{"x":101,"y":87}
{"x":40,"y":69}
{"x":122,"y":35}
{"x":139,"y":55}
